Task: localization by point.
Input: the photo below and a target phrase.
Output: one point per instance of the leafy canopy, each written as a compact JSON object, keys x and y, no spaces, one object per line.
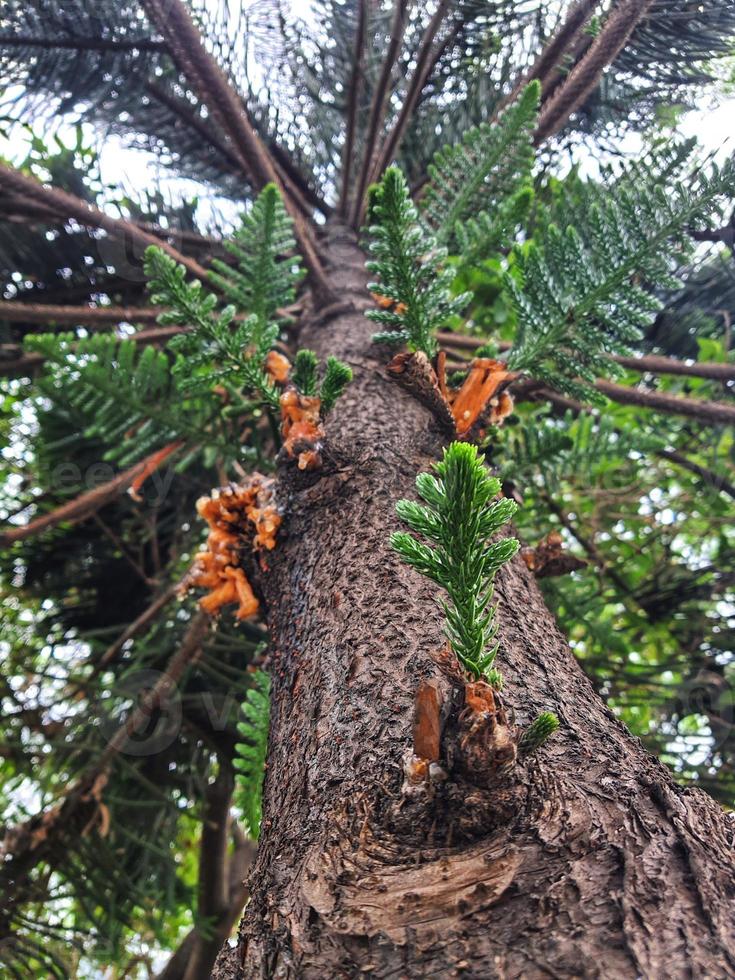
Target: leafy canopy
{"x":586,"y":291}
{"x":211,"y":374}
{"x":580,"y":292}
{"x":481,"y":186}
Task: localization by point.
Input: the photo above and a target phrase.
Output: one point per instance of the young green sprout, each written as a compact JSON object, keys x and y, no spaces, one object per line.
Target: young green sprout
{"x":459,"y":517}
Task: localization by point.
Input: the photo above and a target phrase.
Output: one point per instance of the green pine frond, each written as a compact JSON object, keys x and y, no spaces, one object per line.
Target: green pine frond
{"x":490,"y":232}
{"x":130,"y":395}
{"x":217,"y":350}
{"x":549,"y":452}
{"x":460,"y":515}
{"x":538,"y":732}
{"x":305,"y":378}
{"x":409,"y":269}
{"x":305,"y":372}
{"x":222,"y":350}
{"x":336,"y":378}
{"x":251,"y":753}
{"x":485,"y":177}
{"x":583,"y":293}
{"x":267,"y":271}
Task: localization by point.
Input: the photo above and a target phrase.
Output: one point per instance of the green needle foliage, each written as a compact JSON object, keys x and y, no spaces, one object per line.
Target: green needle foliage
{"x":480,"y":187}
{"x":305,"y":377}
{"x":539,"y":732}
{"x":267,"y":270}
{"x":336,"y":378}
{"x":139,"y":399}
{"x":490,"y":232}
{"x":130,"y":396}
{"x":217,"y":351}
{"x":583,"y":293}
{"x":305,"y":373}
{"x":550,"y":450}
{"x":251,"y":753}
{"x":409,"y":269}
{"x":459,"y":517}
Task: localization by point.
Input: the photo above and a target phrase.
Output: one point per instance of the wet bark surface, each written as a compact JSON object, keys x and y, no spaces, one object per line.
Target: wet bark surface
{"x":586,"y":861}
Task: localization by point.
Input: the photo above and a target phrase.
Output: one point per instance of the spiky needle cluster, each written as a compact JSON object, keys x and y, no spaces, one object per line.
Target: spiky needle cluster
{"x":218,"y":345}
{"x":305,"y":378}
{"x":584,"y":292}
{"x":249,"y":761}
{"x":459,"y":517}
{"x":480,"y":187}
{"x":409,"y":269}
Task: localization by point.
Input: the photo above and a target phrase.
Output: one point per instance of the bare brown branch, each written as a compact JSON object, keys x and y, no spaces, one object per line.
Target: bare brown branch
{"x":583,"y":78}
{"x":708,"y":412}
{"x":424,"y":64}
{"x":185,"y":43}
{"x":81,"y":507}
{"x":80,"y":43}
{"x":555,"y":50}
{"x":646,"y":364}
{"x":69,"y":206}
{"x":378,"y":106}
{"x":356,"y":83}
{"x":47,"y":313}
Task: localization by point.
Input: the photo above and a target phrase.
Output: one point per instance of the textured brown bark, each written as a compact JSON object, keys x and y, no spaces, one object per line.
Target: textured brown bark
{"x":587,"y":861}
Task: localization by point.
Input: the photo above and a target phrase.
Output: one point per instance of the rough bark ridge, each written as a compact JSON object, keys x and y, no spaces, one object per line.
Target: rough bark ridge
{"x":588,"y":861}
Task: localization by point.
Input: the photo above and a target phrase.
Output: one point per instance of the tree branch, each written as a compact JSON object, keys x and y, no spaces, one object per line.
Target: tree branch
{"x":139,"y":624}
{"x":586,"y":74}
{"x":293,"y":182}
{"x":712,"y":479}
{"x":47,"y":313}
{"x":589,"y":546}
{"x":214,"y":90}
{"x":352,"y":106}
{"x":80,"y":43}
{"x":26,"y":366}
{"x":213,"y":885}
{"x":424,"y":64}
{"x":554,"y":51}
{"x":291,"y":173}
{"x":21,"y":367}
{"x":188,"y":957}
{"x":81,"y":507}
{"x":646,"y":364}
{"x":378,"y":106}
{"x":69,"y":206}
{"x":564,"y":404}
{"x":708,"y":412}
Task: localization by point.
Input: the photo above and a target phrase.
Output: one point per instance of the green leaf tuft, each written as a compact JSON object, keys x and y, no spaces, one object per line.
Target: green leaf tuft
{"x":251,"y":753}
{"x":409,"y":269}
{"x":460,"y":515}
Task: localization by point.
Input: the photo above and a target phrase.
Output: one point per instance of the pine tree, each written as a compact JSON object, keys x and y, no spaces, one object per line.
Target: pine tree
{"x":221,"y":594}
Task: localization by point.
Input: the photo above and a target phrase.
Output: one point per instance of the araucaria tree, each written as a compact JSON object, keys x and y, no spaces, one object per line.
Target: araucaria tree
{"x":313,"y":475}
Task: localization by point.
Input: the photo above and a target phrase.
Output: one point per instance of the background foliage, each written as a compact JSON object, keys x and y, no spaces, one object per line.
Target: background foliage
{"x":643,"y":496}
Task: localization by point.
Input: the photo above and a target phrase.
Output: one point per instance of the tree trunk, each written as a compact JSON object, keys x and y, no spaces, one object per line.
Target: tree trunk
{"x":586,"y":861}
